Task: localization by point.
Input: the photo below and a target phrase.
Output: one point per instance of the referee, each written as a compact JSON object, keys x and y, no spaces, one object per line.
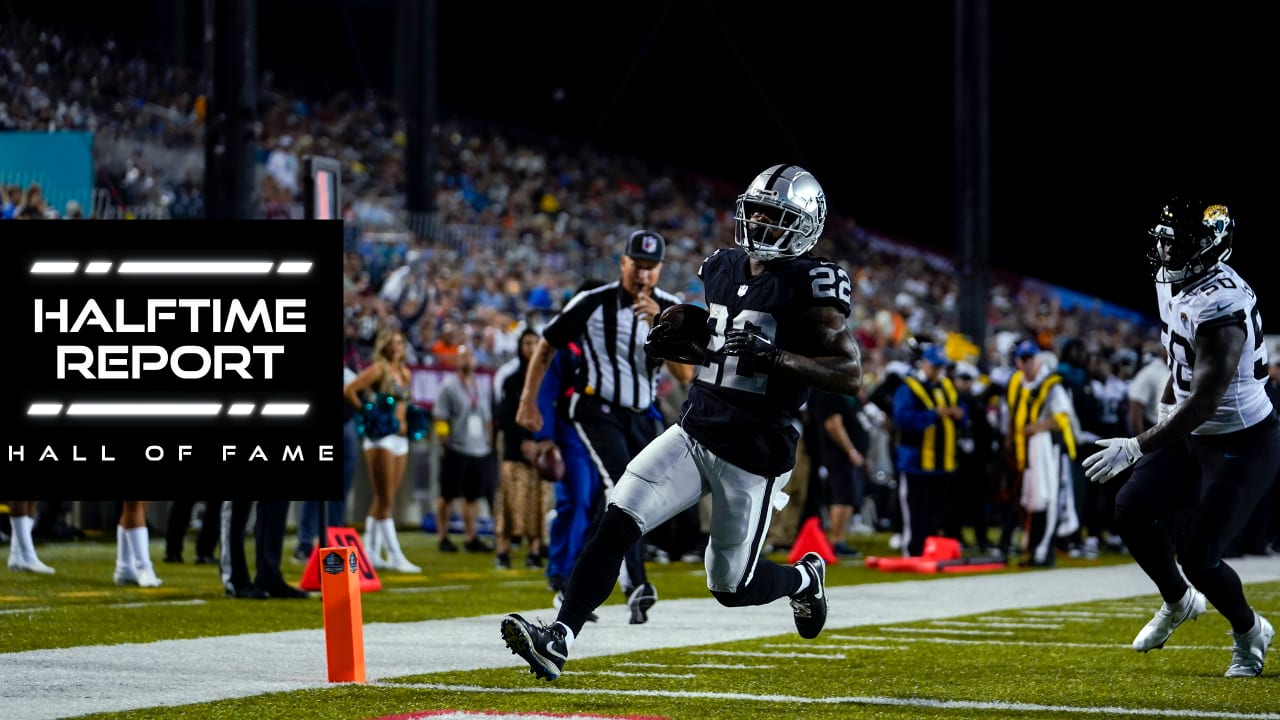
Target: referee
{"x":613,"y":406}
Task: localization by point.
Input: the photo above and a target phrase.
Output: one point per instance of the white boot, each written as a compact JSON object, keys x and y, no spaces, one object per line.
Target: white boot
{"x":140,"y":546}
{"x":395,"y":557}
{"x":373,"y":542}
{"x":125,"y":574}
{"x":22,"y":549}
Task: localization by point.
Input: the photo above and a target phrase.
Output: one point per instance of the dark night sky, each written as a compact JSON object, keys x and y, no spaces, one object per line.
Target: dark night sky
{"x":1095,"y":117}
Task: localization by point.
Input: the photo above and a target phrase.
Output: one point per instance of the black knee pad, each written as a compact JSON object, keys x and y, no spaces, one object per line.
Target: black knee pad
{"x":730,"y":599}
{"x":618,"y":528}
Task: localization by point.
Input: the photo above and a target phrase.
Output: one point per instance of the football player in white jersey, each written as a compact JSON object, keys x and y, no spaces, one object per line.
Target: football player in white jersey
{"x":1215,"y":451}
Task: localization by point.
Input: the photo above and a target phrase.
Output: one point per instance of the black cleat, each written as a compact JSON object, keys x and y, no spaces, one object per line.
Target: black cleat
{"x":287,"y":592}
{"x":542,"y":646}
{"x":246,"y":592}
{"x":640,"y":600}
{"x":810,"y":605}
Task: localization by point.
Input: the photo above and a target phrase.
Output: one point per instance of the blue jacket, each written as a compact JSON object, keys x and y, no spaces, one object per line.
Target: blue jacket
{"x":553,"y":401}
{"x":926,"y":440}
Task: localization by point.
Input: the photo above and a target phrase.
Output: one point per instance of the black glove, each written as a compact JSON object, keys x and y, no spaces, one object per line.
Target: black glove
{"x":757,"y":352}
{"x":654,"y":343}
{"x":668,"y":342}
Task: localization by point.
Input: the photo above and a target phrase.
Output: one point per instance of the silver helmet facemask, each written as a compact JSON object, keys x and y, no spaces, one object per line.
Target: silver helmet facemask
{"x":781,"y":215}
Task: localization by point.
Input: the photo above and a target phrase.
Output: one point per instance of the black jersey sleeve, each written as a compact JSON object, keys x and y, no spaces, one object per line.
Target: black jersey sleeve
{"x":707,"y":263}
{"x":822,"y":283}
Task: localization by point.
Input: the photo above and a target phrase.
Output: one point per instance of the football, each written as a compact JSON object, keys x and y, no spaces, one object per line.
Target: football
{"x":685,"y":336}
{"x":689,"y":322}
{"x":549,"y":463}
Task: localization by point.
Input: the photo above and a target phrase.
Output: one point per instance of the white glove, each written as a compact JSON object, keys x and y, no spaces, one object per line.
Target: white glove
{"x":1116,"y":455}
{"x":1164,"y":410}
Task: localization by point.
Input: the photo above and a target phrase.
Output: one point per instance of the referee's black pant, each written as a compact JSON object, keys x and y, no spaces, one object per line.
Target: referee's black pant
{"x":270,"y":518}
{"x":613,"y":435}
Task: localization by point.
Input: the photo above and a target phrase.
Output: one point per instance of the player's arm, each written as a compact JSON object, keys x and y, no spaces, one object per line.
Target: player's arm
{"x":1218,"y":346}
{"x":836,"y":366}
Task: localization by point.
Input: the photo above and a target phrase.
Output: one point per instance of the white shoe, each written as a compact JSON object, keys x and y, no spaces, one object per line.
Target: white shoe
{"x":1250,"y":650}
{"x":402,"y":564}
{"x":125,"y":577}
{"x":33,"y":565}
{"x":147,"y":578}
{"x":1156,"y":632}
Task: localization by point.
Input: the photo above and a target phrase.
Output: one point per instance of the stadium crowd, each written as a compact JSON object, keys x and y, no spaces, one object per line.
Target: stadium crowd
{"x":520,"y":222}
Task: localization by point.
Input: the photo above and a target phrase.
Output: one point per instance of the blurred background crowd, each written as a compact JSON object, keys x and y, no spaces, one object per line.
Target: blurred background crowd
{"x":521,"y":221}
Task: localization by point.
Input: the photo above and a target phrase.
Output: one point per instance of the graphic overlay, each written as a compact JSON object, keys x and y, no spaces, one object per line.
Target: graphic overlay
{"x":162,"y":360}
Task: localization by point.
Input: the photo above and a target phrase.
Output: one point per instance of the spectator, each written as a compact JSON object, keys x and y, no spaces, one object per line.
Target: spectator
{"x":467,"y":468}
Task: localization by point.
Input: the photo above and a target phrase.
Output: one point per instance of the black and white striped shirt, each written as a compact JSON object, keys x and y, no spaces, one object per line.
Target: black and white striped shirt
{"x":617,"y":369}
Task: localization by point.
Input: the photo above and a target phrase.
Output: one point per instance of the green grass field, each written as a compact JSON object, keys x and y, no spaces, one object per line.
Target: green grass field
{"x":1041,"y":662}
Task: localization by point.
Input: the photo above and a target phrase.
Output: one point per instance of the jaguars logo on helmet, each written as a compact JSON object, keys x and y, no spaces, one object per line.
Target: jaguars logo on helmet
{"x":781,"y":214}
{"x":1191,"y":237}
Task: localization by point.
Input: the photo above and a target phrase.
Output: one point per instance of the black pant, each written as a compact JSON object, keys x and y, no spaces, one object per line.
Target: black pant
{"x":268,"y":534}
{"x":1186,"y":502}
{"x":613,"y":435}
{"x":923,"y":507}
{"x":180,"y":520}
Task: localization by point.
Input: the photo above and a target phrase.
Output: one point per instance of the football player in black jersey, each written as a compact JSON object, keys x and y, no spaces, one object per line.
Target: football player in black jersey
{"x":777,"y":316}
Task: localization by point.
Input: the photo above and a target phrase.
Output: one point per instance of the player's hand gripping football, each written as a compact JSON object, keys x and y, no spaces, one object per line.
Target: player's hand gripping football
{"x":680,"y":335}
{"x":656,"y":341}
{"x":757,"y":352}
{"x":1116,"y":455}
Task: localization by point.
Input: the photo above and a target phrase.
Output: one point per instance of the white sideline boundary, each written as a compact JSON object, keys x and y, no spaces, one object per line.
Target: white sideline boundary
{"x":50,"y":684}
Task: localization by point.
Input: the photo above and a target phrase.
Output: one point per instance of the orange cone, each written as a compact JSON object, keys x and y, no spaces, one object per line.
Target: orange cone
{"x":341,"y":537}
{"x":343,"y":616}
{"x":812,"y":539}
{"x":941,"y":548}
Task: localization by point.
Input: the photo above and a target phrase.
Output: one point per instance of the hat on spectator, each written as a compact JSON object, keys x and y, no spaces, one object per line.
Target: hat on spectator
{"x":936,"y":355}
{"x":1026,"y":349}
{"x":897,"y":367}
{"x":646,"y":245}
{"x":966,"y":370}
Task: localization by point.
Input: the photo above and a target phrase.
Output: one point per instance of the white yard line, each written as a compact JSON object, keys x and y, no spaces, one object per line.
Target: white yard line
{"x":1051,"y":710}
{"x":47,"y":684}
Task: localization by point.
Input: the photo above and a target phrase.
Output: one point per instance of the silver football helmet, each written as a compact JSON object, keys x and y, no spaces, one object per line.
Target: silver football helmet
{"x":781,"y":214}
